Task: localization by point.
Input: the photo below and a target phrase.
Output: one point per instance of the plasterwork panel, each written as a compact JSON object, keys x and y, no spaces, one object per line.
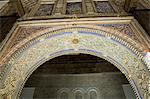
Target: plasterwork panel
{"x":123,"y":28}
{"x":25,"y":32}
{"x":21,"y":34}
{"x":87,"y":40}
{"x":103,"y":7}
{"x":74,"y":8}
{"x":44,"y":10}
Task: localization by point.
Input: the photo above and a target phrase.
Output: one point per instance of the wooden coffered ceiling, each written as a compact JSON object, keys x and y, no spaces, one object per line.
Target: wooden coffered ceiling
{"x":24,"y":6}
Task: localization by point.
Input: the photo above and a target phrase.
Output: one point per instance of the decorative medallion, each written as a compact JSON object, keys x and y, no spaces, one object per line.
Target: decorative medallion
{"x":75,"y":41}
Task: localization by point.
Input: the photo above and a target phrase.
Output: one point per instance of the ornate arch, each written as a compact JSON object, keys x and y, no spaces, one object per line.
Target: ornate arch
{"x":93,"y":89}
{"x":50,"y":44}
{"x":80,"y":91}
{"x":64,"y":90}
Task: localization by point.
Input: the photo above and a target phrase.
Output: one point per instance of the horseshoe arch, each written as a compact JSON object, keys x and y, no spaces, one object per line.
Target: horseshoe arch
{"x":76,"y":40}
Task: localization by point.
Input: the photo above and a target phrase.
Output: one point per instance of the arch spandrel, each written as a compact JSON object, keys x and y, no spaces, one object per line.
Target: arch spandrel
{"x":125,"y":27}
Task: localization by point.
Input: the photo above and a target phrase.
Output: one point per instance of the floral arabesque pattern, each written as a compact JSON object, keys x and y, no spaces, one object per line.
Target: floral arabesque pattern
{"x":103,"y":7}
{"x":74,"y":8}
{"x":44,"y":10}
{"x":26,"y":31}
{"x":123,"y":28}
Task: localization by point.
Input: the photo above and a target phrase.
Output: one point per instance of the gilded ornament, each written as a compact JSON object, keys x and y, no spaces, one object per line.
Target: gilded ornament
{"x":125,"y":61}
{"x":75,"y":41}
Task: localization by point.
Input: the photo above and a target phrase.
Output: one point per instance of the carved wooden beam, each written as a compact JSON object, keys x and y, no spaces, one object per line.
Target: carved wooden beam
{"x":8,"y":8}
{"x":145,"y":4}
{"x":19,"y":7}
{"x":129,"y":4}
{"x":59,"y":7}
{"x":89,"y":6}
{"x":4,"y":8}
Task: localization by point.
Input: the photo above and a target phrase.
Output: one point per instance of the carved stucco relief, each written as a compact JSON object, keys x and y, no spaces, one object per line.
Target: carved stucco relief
{"x":90,"y":42}
{"x":123,"y":30}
